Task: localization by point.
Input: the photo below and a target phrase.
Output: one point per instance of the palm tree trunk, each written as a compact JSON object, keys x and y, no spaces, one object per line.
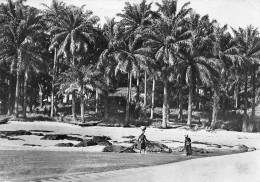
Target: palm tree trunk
{"x":237,"y":96}
{"x":96,"y":104}
{"x":82,"y":103}
{"x":153,"y":94}
{"x":106,"y":107}
{"x":25,"y":94}
{"x":127,"y":115}
{"x":10,"y":95}
{"x":253,"y":95}
{"x":215,"y":108}
{"x":74,"y":96}
{"x":17,"y":91}
{"x":244,"y":125}
{"x":165,"y":103}
{"x":74,"y":105}
{"x":145,"y":90}
{"x":180,"y":116}
{"x":138,"y":85}
{"x":53,"y":82}
{"x":190,"y":104}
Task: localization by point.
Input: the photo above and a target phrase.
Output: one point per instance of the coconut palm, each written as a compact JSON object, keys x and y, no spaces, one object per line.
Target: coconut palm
{"x":129,"y":57}
{"x":18,"y":24}
{"x":226,"y":53}
{"x":75,"y":34}
{"x":82,"y":78}
{"x":165,"y":38}
{"x":52,"y":15}
{"x":197,"y":66}
{"x":113,"y":35}
{"x":135,"y":18}
{"x":248,"y":43}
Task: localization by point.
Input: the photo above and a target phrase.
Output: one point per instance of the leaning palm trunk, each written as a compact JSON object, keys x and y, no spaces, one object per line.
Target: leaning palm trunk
{"x":82,"y":102}
{"x":245,"y":119}
{"x":190,"y":104}
{"x":25,"y":94}
{"x":17,"y":90}
{"x":165,"y":103}
{"x":215,"y":108}
{"x":127,"y":115}
{"x":53,"y":82}
{"x":180,"y":116}
{"x":153,"y":92}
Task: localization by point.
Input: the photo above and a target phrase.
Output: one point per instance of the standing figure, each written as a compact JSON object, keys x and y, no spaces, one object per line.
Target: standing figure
{"x":142,"y":139}
{"x":187,"y":145}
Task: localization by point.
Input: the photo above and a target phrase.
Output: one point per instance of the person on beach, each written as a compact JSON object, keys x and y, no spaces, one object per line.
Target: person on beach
{"x":142,"y":139}
{"x":187,"y":145}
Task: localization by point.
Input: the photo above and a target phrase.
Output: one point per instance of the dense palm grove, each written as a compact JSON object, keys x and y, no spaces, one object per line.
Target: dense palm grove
{"x":178,"y":59}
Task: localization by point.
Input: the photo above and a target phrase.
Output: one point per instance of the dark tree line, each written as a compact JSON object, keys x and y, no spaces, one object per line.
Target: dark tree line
{"x":176,"y":58}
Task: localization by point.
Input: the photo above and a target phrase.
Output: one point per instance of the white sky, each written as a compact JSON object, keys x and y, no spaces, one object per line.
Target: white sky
{"x":235,"y":13}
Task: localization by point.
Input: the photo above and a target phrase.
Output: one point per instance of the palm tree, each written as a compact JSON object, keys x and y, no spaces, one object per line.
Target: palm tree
{"x":248,"y":43}
{"x":33,"y":62}
{"x":18,"y":24}
{"x":129,"y":57}
{"x":135,"y":18}
{"x":81,"y":78}
{"x":224,"y":52}
{"x":196,"y":63}
{"x":107,"y":63}
{"x":75,"y":33}
{"x":52,"y":15}
{"x":165,"y":38}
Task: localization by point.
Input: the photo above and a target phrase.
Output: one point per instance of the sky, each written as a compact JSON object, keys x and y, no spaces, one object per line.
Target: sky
{"x":235,"y":13}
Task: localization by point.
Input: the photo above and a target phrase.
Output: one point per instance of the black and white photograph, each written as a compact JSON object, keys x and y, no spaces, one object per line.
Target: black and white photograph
{"x":130,"y":91}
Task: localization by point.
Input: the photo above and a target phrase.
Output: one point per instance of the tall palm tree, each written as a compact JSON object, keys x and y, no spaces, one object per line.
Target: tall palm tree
{"x":113,"y":35}
{"x":135,"y":18}
{"x":198,"y":68}
{"x":33,"y":62}
{"x":129,"y":57}
{"x":225,"y":53}
{"x":248,"y":43}
{"x":52,"y":15}
{"x":18,"y":24}
{"x":165,"y":37}
{"x":75,"y":34}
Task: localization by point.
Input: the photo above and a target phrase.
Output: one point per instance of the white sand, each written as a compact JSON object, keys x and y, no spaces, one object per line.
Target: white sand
{"x":237,"y":167}
{"x":115,"y":133}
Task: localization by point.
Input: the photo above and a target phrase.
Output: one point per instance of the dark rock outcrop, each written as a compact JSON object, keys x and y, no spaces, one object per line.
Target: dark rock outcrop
{"x":154,"y":147}
{"x":15,"y":133}
{"x":64,"y":145}
{"x":86,"y":143}
{"x":98,"y":139}
{"x":119,"y":149}
{"x":130,"y":136}
{"x":60,"y":137}
{"x":31,"y":145}
{"x":104,"y":143}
